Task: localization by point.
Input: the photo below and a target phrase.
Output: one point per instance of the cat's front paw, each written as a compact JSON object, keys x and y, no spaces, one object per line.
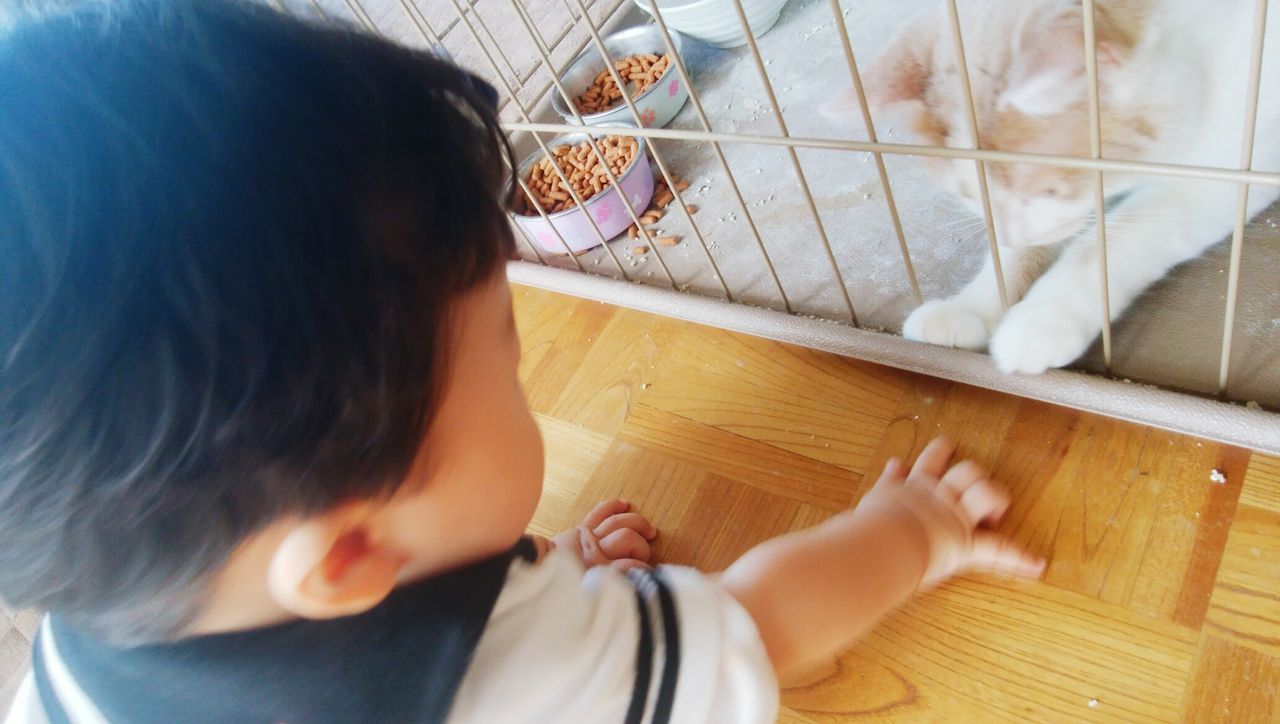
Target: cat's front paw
{"x":1032,"y":339}
{"x":948,"y":323}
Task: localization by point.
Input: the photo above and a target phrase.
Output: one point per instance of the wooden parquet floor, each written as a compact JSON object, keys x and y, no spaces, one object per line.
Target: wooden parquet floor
{"x":1162,"y":598}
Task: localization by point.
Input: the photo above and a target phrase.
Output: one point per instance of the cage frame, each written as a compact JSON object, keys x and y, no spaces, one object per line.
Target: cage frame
{"x":1173,"y":410}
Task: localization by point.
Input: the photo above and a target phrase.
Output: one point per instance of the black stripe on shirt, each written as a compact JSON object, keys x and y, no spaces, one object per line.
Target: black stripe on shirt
{"x":644,"y":664}
{"x":526,"y":550}
{"x":44,"y":687}
{"x":671,"y":654}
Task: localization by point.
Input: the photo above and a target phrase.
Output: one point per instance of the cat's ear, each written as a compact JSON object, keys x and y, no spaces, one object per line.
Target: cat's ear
{"x":899,"y":76}
{"x":1047,"y":75}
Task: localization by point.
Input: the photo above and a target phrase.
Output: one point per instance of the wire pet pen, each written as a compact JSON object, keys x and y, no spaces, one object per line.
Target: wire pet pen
{"x":796,"y":231}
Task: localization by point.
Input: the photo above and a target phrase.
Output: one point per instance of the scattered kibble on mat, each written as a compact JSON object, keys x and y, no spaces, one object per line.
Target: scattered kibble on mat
{"x":662,"y":198}
{"x":640,"y":72}
{"x":582,"y":167}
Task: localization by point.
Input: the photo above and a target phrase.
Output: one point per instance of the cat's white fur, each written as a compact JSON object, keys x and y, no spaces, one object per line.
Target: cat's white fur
{"x":1173,"y":78}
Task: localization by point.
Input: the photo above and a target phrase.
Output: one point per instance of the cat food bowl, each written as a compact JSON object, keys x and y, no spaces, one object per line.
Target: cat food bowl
{"x":606,"y":207}
{"x":715,"y":22}
{"x":657,"y":104}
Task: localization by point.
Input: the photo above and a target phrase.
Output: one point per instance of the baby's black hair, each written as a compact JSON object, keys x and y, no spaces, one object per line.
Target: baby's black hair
{"x":229,"y":243}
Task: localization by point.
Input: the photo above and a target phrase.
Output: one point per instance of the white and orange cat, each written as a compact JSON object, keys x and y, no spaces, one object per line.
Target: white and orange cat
{"x":1173,"y":76}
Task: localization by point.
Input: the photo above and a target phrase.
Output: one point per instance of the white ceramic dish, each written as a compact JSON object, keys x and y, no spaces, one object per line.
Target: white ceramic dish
{"x":716,"y":21}
{"x":658,"y":104}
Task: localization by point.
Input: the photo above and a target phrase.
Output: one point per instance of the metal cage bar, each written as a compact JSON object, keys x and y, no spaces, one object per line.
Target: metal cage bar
{"x":420,"y":21}
{"x":1099,"y":191}
{"x":1242,"y":202}
{"x":319,"y":9}
{"x":493,"y":40}
{"x":653,"y":147}
{"x":541,"y":212}
{"x":468,"y":8}
{"x":578,"y":201}
{"x":424,"y":27}
{"x":577,"y":51}
{"x":529,"y":243}
{"x":889,"y":201}
{"x":1153,"y":168}
{"x":981,"y":166}
{"x":358,"y":10}
{"x":1096,"y":163}
{"x":613,"y":179}
{"x":719,"y":151}
{"x":795,"y":159}
{"x":524,"y":113}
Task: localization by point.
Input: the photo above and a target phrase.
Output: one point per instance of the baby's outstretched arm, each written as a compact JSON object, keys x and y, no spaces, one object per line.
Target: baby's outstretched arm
{"x":814,"y":592}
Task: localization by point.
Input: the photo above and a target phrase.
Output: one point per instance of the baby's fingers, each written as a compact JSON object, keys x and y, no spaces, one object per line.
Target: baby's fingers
{"x":984,"y":502}
{"x":934,"y":459}
{"x":625,"y":543}
{"x":959,"y":478}
{"x":893,"y":473}
{"x":996,"y":553}
{"x":634,"y":521}
{"x":603,"y":510}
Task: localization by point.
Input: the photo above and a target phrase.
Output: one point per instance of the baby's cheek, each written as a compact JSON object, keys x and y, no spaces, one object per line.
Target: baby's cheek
{"x":523,"y":446}
{"x":536,"y":453}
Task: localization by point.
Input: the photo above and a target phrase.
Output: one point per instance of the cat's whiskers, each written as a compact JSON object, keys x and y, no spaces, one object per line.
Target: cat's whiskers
{"x":968,"y":221}
{"x":1145,"y":228}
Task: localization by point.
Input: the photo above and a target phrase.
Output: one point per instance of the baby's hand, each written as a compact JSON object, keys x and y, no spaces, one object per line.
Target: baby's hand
{"x":610,"y":535}
{"x":956,"y":506}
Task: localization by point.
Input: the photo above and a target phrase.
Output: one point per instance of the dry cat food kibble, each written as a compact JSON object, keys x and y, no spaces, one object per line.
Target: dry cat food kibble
{"x":640,"y":72}
{"x":582,"y":167}
{"x":662,"y":197}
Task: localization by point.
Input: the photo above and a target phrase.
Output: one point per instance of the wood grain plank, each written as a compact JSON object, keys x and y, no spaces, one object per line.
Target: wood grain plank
{"x":623,"y":359}
{"x":1161,"y":602}
{"x":1245,"y":608}
{"x":1132,"y":517}
{"x":572,"y":455}
{"x":1231,"y":683}
{"x":540,"y":320}
{"x":658,"y":486}
{"x":983,"y":650}
{"x":1262,"y":483}
{"x":741,"y":458}
{"x":820,"y":406}
{"x":556,"y":342}
{"x":726,"y":519}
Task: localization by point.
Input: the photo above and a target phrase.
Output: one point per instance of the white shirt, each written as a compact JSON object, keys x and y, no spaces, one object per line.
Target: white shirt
{"x":561,"y":645}
{"x":567,"y":645}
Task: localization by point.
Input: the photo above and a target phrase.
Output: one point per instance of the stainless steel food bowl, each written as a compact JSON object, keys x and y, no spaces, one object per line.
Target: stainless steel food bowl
{"x":605,"y":208}
{"x":658,"y":104}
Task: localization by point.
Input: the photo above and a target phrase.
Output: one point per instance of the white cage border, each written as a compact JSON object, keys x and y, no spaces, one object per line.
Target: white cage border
{"x":1176,"y":411}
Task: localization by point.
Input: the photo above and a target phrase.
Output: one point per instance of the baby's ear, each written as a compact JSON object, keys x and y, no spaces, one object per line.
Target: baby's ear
{"x":898,"y":77}
{"x":333,"y":565}
{"x":1047,"y":75}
